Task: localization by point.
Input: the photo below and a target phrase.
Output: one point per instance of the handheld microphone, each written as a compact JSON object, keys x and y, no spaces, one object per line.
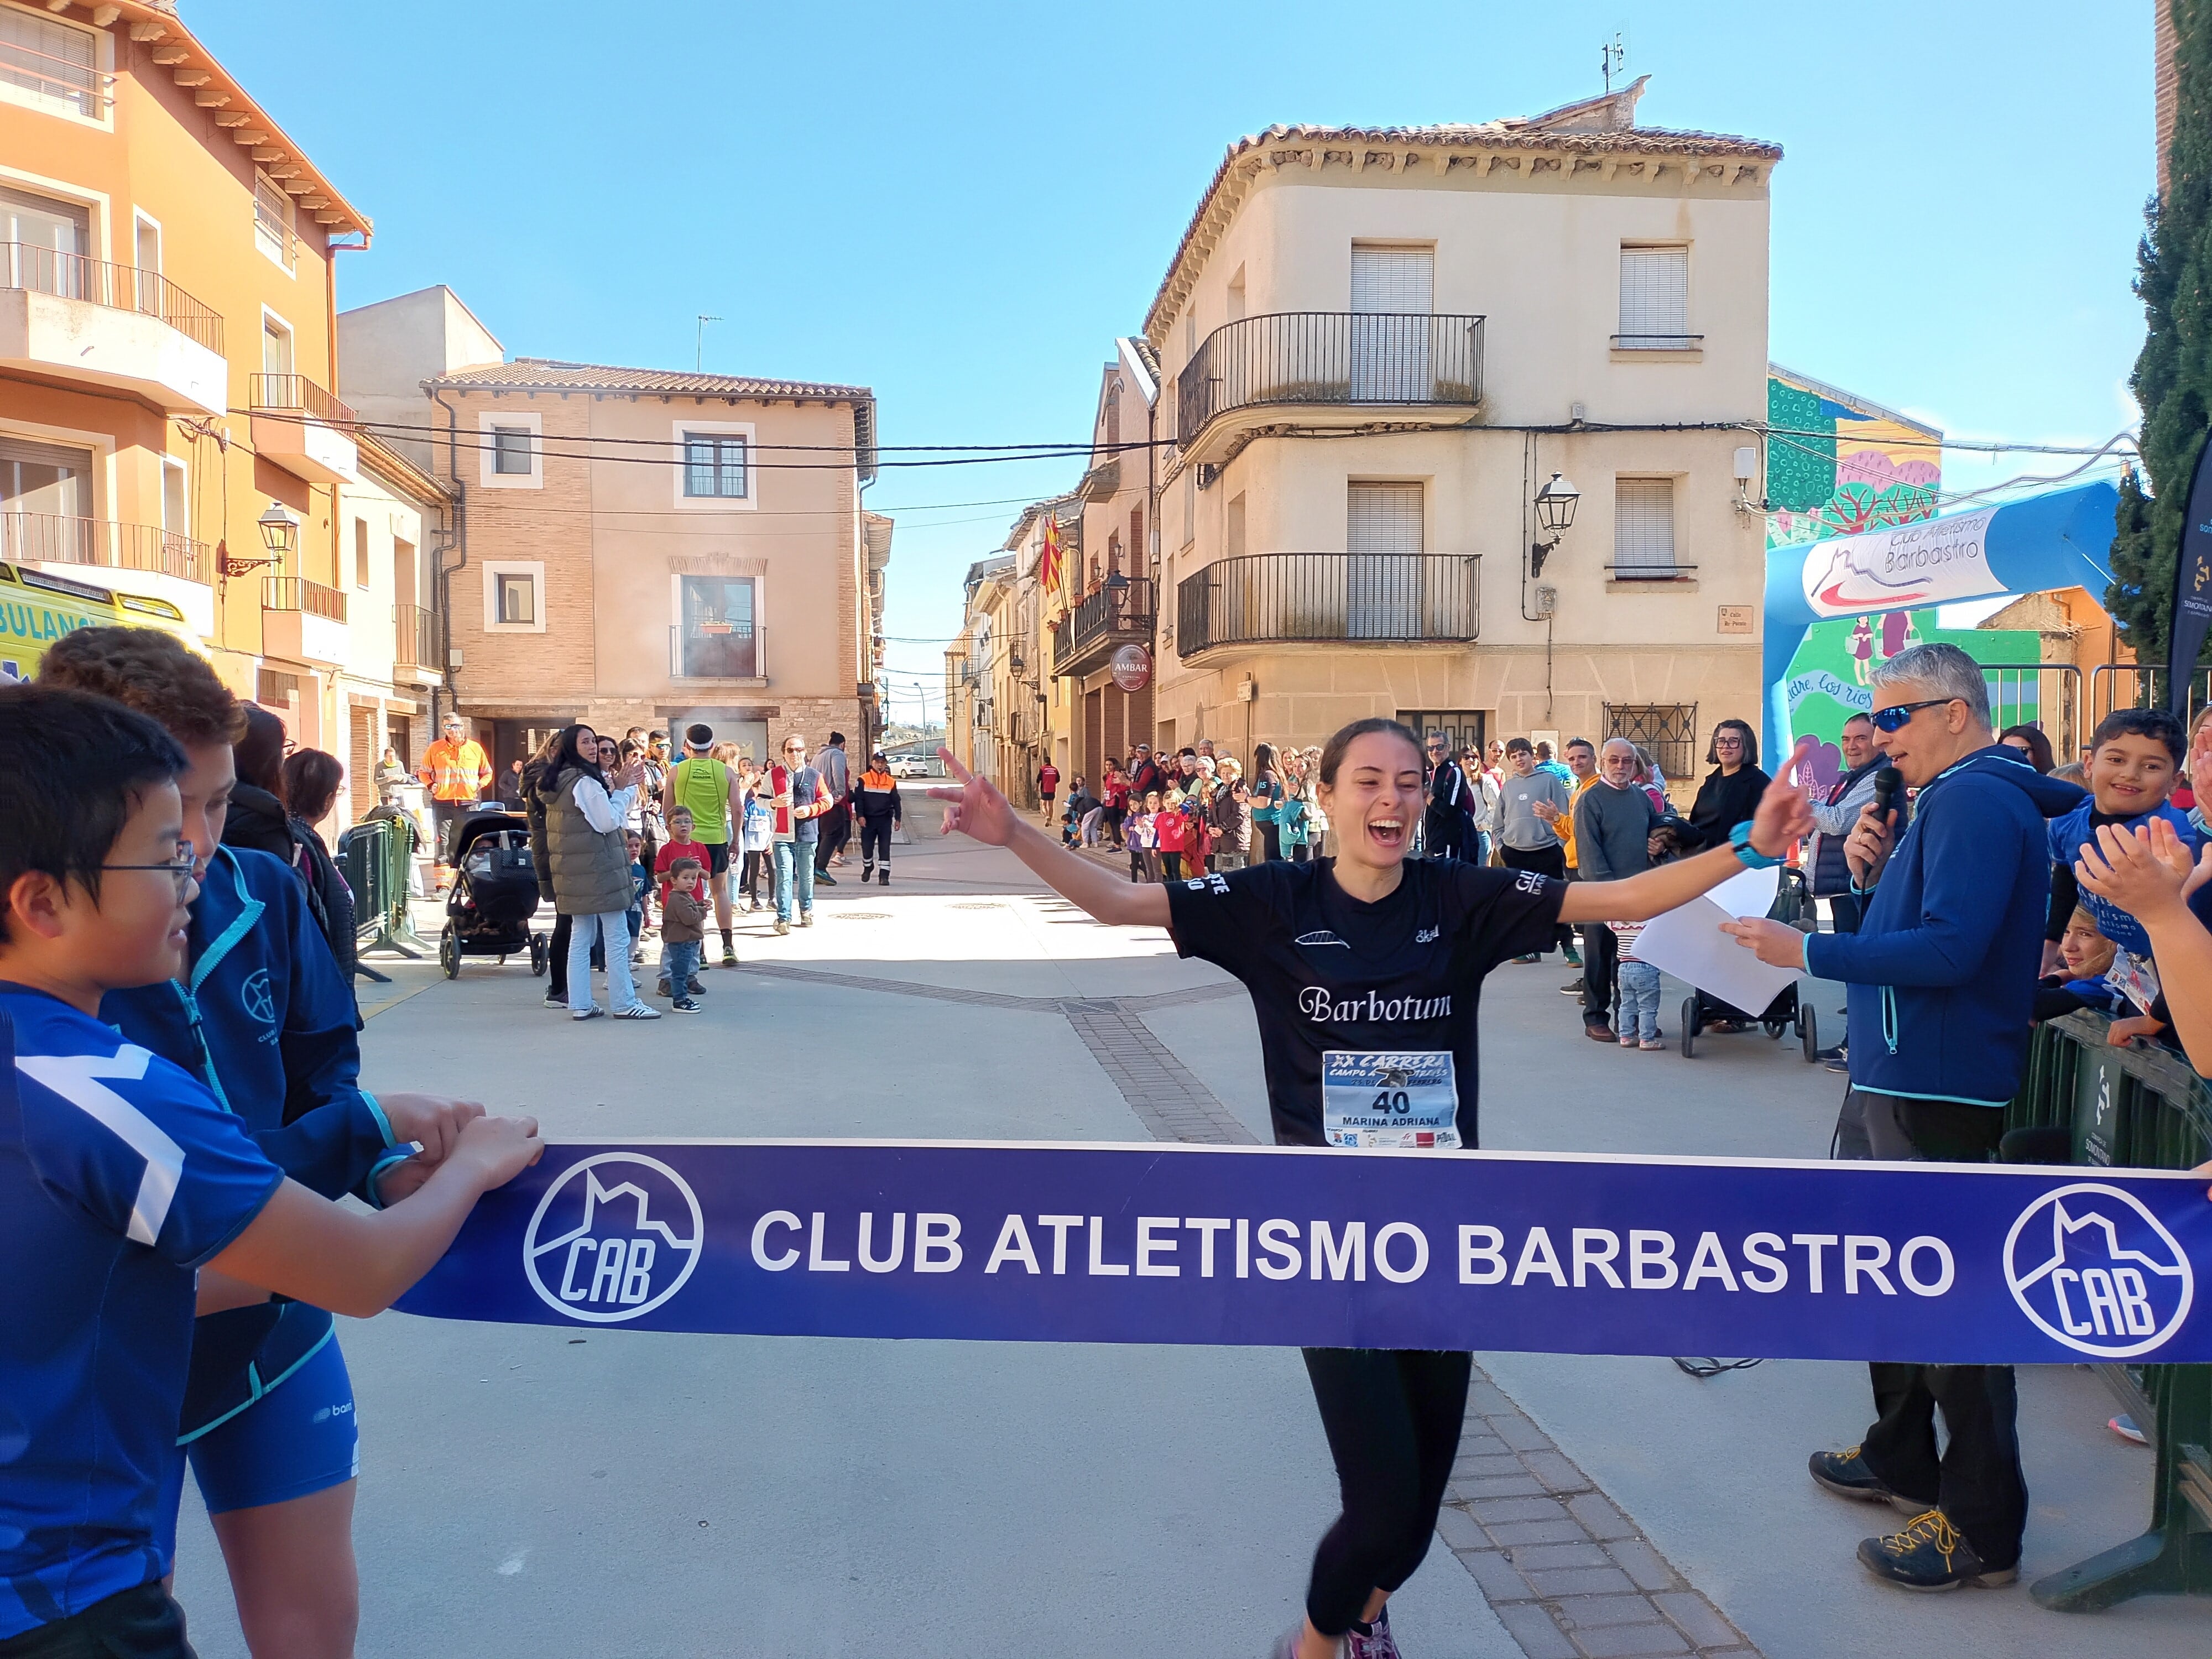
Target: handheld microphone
{"x":1887,"y":783}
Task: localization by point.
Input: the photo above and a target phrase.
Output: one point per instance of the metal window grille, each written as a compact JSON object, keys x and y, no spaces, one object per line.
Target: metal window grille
{"x":1655,"y":296}
{"x":1668,"y":730}
{"x":510,"y":450}
{"x":1643,"y":527}
{"x":714,"y":464}
{"x":1462,"y":728}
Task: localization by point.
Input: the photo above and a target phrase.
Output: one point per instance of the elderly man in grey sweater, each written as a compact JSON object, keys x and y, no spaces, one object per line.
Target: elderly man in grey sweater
{"x":1614,"y":821}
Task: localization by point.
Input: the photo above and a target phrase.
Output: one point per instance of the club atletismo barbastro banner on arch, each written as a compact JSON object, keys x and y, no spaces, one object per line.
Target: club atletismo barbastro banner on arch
{"x":1341,"y":1249}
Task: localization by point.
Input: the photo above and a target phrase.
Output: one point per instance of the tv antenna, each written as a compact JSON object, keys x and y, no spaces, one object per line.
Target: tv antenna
{"x":699,"y":341}
{"x":1611,"y":55}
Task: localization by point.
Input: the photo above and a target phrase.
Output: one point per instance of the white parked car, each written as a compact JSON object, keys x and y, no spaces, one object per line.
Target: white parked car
{"x":909,"y":766}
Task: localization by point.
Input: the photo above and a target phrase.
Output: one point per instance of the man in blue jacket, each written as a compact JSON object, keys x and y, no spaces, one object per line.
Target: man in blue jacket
{"x":1942,"y":977}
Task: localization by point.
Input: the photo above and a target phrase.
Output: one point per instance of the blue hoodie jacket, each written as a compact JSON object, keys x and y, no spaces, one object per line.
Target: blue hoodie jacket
{"x":1942,"y":974}
{"x":268,"y":1023}
{"x":2073,"y":832}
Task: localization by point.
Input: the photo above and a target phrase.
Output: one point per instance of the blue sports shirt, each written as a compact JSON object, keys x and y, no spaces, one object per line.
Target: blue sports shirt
{"x":120,"y":1177}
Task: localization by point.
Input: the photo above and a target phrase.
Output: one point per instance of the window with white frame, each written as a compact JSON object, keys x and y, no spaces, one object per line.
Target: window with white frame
{"x":1654,"y":301}
{"x":510,"y":448}
{"x":514,"y":596}
{"x":714,"y":464}
{"x":1643,"y":530}
{"x":274,"y":219}
{"x":45,"y":62}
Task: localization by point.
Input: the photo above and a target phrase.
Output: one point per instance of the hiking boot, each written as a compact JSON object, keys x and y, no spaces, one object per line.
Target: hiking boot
{"x":867,"y":873}
{"x":1846,"y":1475}
{"x":695,"y":988}
{"x":1929,"y":1555}
{"x":661,"y":990}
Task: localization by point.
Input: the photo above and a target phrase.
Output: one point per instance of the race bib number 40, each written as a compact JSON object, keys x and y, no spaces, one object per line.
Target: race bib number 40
{"x":1389,"y":1097}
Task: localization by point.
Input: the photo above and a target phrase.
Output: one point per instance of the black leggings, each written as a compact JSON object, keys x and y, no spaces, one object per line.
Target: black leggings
{"x":750,"y":875}
{"x":1392,"y":1418}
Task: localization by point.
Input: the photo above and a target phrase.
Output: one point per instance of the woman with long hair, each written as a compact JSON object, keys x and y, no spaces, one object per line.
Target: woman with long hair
{"x":1421,"y":934}
{"x":589,"y":861}
{"x":2034,"y":748}
{"x":1266,"y":791}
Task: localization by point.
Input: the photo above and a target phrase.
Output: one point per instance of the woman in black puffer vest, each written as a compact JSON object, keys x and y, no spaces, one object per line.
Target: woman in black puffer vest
{"x":257,"y":819}
{"x":587,"y":857}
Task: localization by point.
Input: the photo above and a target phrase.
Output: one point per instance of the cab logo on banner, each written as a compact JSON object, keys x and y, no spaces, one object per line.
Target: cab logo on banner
{"x":613,"y":1238}
{"x":1292,"y":1247}
{"x":2096,"y":1270}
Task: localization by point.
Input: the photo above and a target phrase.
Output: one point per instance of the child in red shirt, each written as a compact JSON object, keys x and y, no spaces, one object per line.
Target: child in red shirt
{"x":1173,"y":830}
{"x":679,"y":845}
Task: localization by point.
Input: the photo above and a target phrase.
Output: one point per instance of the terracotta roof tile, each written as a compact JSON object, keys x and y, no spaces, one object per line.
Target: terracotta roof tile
{"x":548,"y":374}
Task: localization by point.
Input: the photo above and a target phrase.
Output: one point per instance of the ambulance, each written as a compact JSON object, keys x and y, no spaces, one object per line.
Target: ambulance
{"x":36,"y":608}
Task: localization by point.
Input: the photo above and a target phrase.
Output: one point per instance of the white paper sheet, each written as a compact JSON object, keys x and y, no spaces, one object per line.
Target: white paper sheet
{"x":1687,"y":943}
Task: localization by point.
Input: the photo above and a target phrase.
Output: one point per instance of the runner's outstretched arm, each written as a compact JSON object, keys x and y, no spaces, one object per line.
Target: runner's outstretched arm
{"x":1784,"y":817}
{"x":978,"y":809}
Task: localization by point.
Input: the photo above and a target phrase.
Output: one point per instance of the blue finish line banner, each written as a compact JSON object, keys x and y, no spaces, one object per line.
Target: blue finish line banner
{"x":1290,"y":1248}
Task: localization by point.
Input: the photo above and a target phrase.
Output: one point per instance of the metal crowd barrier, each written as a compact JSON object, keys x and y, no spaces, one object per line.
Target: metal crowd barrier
{"x":2134,"y":1109}
{"x":375,"y":856}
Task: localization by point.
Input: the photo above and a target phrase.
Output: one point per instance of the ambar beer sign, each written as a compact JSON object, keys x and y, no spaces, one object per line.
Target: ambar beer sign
{"x":1132,"y":667}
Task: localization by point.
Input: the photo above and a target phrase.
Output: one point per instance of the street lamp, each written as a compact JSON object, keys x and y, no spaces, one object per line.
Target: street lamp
{"x":1555,"y":511}
{"x":279,"y":534}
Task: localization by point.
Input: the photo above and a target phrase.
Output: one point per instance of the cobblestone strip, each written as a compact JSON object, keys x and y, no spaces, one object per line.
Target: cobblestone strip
{"x":1567,"y":1573}
{"x":1169,"y":1102}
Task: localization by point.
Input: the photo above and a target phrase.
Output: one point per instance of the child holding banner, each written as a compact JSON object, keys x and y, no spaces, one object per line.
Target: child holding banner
{"x":1365,"y":969}
{"x":122,"y":1177}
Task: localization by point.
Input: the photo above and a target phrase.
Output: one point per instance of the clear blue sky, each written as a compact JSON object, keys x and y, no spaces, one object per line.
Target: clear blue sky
{"x":963,"y":206}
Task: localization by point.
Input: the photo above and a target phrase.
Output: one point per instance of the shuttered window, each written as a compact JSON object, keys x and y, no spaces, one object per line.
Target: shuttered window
{"x":1394,"y":279}
{"x":1383,"y":518}
{"x":1643,"y":528}
{"x":55,"y":60}
{"x":1655,"y":298}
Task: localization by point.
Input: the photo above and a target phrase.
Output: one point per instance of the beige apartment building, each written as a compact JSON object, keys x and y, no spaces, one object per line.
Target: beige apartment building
{"x":636,"y":546}
{"x":1379,"y":346}
{"x":167,"y":355}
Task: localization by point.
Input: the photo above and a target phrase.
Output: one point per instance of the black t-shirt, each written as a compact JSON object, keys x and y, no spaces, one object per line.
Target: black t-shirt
{"x":1367,"y":1012}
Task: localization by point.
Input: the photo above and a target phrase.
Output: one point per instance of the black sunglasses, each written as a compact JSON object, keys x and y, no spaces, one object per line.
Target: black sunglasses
{"x":1897,"y":717}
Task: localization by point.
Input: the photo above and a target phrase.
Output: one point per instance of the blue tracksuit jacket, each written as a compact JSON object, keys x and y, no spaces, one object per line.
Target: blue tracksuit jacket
{"x":1942,"y":974}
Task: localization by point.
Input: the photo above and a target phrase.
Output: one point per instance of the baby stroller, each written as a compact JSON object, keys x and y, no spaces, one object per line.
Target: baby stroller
{"x":1792,"y":901}
{"x":493,"y":895}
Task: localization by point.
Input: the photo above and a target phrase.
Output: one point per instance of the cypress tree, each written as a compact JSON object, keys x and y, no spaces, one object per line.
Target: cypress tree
{"x":2172,"y":378}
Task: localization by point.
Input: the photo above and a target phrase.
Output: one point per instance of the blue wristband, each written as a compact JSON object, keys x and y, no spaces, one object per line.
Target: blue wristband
{"x":1740,"y":839}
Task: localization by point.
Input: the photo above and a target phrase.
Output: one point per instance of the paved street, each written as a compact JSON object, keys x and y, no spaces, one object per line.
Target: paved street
{"x":532,"y":1491}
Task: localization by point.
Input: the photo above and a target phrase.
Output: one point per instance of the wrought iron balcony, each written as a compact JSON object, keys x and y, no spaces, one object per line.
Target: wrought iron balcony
{"x":298,"y":593}
{"x":414,"y":637}
{"x":1085,"y":639}
{"x":118,"y":288}
{"x":303,"y":621}
{"x":1330,"y":598}
{"x":56,"y":538}
{"x":1330,"y":357}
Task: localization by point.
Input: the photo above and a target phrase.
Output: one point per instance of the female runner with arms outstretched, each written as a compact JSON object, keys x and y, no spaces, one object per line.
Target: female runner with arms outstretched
{"x":1347,"y":958}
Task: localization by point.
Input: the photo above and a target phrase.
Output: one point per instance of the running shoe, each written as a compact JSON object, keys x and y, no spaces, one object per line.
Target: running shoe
{"x":823,"y":878}
{"x":1653,"y":1044}
{"x":729,"y":956}
{"x":1289,"y":1647}
{"x":1847,"y":1474}
{"x":1573,"y":988}
{"x":556,"y":999}
{"x":1375,"y":1645}
{"x":1929,"y":1555}
{"x":685,"y":1006}
{"x":2126,"y":1429}
{"x":593,"y":1012}
{"x":639,"y":1011}
{"x":806,"y":920}
{"x":781,"y":925}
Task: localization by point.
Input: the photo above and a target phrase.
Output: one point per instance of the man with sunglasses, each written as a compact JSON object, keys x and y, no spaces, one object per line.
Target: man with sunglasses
{"x":1941,"y":980}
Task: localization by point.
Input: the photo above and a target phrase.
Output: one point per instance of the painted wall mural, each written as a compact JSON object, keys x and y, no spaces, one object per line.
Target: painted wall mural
{"x":1837,"y":465}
